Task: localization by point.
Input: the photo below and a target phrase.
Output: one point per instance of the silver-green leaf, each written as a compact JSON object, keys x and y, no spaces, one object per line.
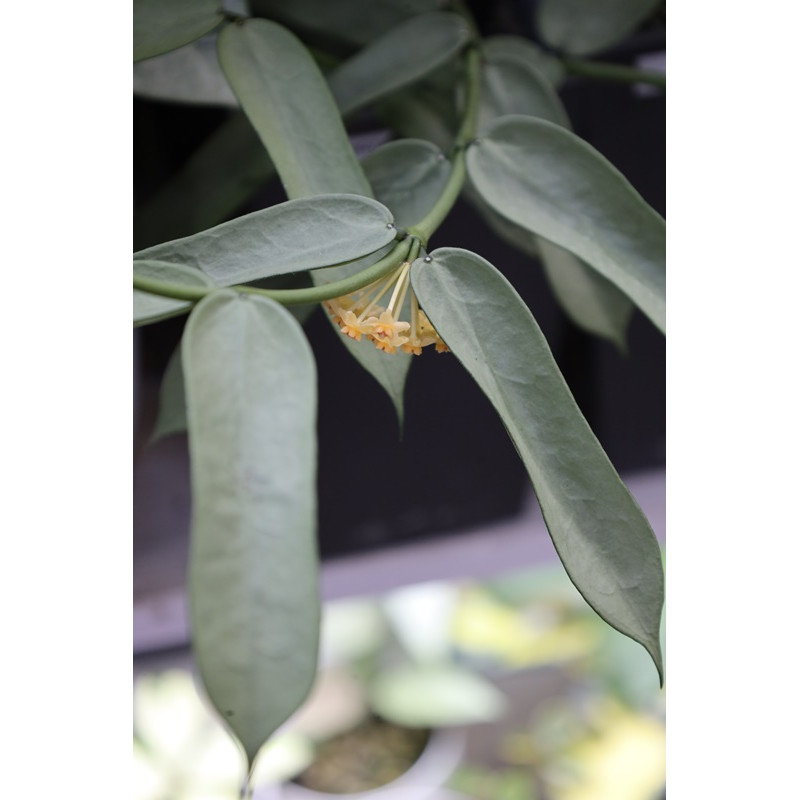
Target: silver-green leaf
{"x":163,"y":25}
{"x":525,"y":50}
{"x":554,"y":184}
{"x":581,"y":27}
{"x":407,"y":176}
{"x":190,"y":74}
{"x":287,"y":99}
{"x":403,"y":55}
{"x":417,"y":116}
{"x":148,"y":307}
{"x":171,"y":400}
{"x":291,"y":106}
{"x":601,"y":535}
{"x":289,"y":237}
{"x":591,"y":301}
{"x":390,"y":371}
{"x":512,"y":85}
{"x":253,"y":586}
{"x":355,"y":22}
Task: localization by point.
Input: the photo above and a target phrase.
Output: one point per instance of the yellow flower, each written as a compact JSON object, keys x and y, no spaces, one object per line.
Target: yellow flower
{"x":388,"y":331}
{"x":354,"y":328}
{"x":360,"y":314}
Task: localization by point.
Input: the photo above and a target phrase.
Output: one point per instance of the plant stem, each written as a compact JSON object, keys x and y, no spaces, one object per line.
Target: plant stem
{"x":418,"y":234}
{"x":427,"y":226}
{"x":288,"y":297}
{"x":618,"y":73}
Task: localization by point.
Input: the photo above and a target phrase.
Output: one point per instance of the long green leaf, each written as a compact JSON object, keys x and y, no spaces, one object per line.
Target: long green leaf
{"x":226,"y":169}
{"x":355,"y":22}
{"x":515,"y":85}
{"x":223,"y":172}
{"x":407,"y":176}
{"x":512,"y":85}
{"x":601,"y":535}
{"x":149,"y":308}
{"x":591,"y":301}
{"x":390,"y":371}
{"x":525,"y":50}
{"x":163,"y":25}
{"x":171,"y":400}
{"x":414,"y":116}
{"x":554,"y":184}
{"x":581,"y":27}
{"x":289,"y":237}
{"x":403,"y":55}
{"x":190,"y":74}
{"x":171,"y":417}
{"x":288,"y":101}
{"x":253,"y":589}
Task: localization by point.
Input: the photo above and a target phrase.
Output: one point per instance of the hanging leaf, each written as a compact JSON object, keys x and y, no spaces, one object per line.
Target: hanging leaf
{"x":254,"y":599}
{"x":149,"y":308}
{"x":525,"y":50}
{"x":163,"y":25}
{"x":190,"y":74}
{"x":401,"y":56}
{"x":300,"y":125}
{"x":554,"y":184}
{"x":415,"y":116}
{"x":289,"y":237}
{"x":356,"y":22}
{"x":511,"y":85}
{"x":601,"y":535}
{"x":581,"y":27}
{"x":407,"y":176}
{"x":514,"y":86}
{"x":171,"y":400}
{"x":287,"y":100}
{"x":224,"y":171}
{"x":390,"y":371}
{"x":590,"y":300}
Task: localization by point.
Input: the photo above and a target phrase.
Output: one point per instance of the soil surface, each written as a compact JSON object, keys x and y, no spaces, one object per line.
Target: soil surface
{"x":371,"y":755}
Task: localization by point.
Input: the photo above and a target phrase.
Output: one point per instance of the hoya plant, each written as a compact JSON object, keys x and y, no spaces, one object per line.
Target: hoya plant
{"x":470,"y":117}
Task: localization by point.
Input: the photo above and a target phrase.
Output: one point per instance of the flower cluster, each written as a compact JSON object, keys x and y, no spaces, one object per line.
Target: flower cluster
{"x":360,"y":314}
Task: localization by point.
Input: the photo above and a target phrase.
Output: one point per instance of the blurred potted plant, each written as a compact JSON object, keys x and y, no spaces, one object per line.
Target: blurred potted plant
{"x":479,"y":116}
{"x":415,"y":700}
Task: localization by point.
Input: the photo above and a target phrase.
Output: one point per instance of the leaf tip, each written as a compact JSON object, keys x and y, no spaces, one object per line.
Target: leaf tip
{"x":654,"y":649}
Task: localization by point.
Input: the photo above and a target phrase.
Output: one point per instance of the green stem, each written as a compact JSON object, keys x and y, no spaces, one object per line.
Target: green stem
{"x":427,"y":226}
{"x":418,"y":235}
{"x":288,"y":297}
{"x":614,"y":72}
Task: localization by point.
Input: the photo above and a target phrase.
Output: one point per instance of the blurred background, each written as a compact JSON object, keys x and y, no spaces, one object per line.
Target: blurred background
{"x":507,"y":688}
